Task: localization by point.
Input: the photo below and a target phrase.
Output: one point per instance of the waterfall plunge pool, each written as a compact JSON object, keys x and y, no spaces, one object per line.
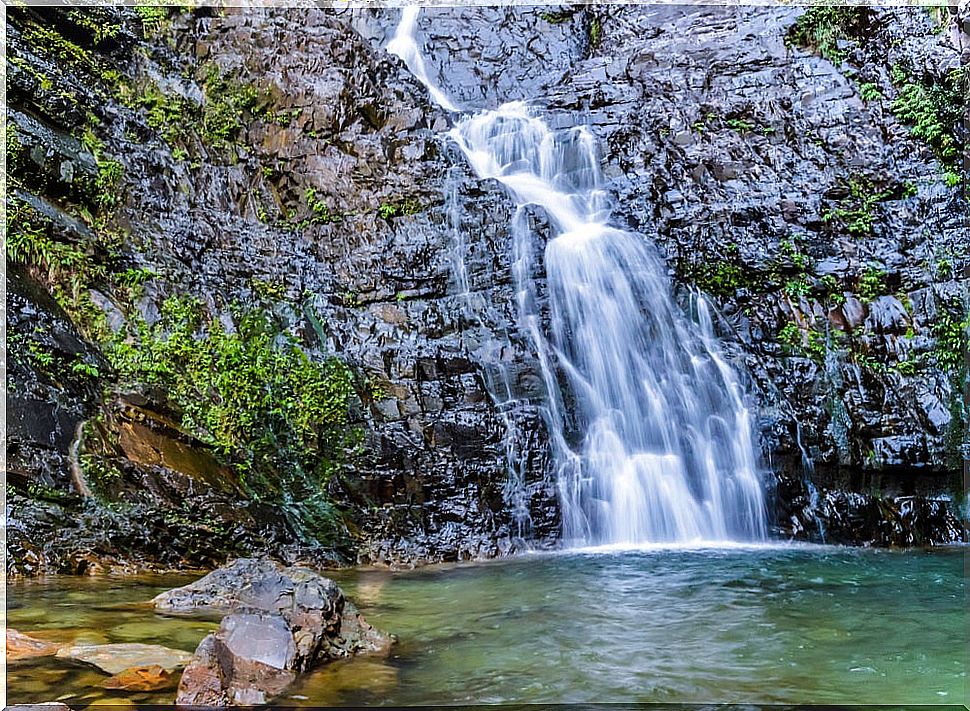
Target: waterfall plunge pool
{"x":767,"y":624}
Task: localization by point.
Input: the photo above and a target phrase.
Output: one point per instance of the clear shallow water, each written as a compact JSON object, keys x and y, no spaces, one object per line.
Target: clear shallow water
{"x":763,"y":625}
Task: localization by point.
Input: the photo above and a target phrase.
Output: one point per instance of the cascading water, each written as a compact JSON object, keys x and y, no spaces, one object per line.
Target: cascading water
{"x":667,"y":451}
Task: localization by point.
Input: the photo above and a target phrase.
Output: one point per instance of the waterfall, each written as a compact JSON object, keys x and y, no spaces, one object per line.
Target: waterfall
{"x":649,"y":430}
{"x":406,"y":47}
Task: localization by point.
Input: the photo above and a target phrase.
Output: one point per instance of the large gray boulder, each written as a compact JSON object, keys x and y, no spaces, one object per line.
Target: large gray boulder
{"x":280,"y":622}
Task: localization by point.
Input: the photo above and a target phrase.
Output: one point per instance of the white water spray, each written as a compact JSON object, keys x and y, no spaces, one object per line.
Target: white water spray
{"x":666,"y":451}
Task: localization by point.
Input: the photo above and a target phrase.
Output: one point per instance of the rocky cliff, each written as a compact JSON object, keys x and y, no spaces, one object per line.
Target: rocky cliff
{"x":258,"y":303}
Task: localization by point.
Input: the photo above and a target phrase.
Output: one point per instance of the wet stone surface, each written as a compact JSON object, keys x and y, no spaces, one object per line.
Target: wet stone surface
{"x":720,"y":143}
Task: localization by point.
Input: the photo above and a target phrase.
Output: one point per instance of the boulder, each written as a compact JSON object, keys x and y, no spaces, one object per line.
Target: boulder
{"x":281,"y":621}
{"x":116,"y":658}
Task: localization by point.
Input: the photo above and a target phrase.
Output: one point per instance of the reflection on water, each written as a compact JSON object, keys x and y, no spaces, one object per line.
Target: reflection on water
{"x":769,"y":625}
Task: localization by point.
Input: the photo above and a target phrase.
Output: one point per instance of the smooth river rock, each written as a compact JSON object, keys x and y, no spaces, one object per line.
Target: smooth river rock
{"x":116,"y":658}
{"x":21,"y":646}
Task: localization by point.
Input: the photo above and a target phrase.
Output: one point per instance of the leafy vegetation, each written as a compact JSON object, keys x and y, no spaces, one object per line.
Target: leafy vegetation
{"x":823,"y":28}
{"x":804,"y":342}
{"x":951,"y":332}
{"x":833,"y":289}
{"x":228,"y":105}
{"x":855,"y":211}
{"x":559,"y":17}
{"x":170,"y":114}
{"x":152,"y":17}
{"x":66,"y":268}
{"x":408,"y":206}
{"x":720,"y":277}
{"x":799,"y":286}
{"x":94,"y":20}
{"x":280,"y":418}
{"x":869,"y":92}
{"x":316,"y":212}
{"x":791,"y":249}
{"x":951,"y":178}
{"x":319,"y":210}
{"x":268,"y":291}
{"x":107,"y":183}
{"x":595,"y":31}
{"x":871,"y":283}
{"x":71,"y":56}
{"x":935,"y":111}
{"x":740,"y":125}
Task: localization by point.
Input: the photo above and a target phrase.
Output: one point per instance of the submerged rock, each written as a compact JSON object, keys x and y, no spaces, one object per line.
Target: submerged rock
{"x":281,"y":622}
{"x":21,"y":646}
{"x":143,"y":678}
{"x":116,"y":658}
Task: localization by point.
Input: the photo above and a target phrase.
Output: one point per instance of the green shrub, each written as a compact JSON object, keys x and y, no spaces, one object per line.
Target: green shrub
{"x":951,"y":178}
{"x":869,"y":92}
{"x":30,"y":244}
{"x":935,"y":111}
{"x":739,"y":125}
{"x":557,"y":18}
{"x":854,"y":212}
{"x":804,"y":342}
{"x":868,"y":362}
{"x":822,"y":27}
{"x":799,"y":286}
{"x":407,"y":206}
{"x":280,"y":418}
{"x":229,"y":104}
{"x":871,"y":283}
{"x":170,"y":114}
{"x":907,"y":367}
{"x":950,"y":331}
{"x":151,"y":17}
{"x":833,"y":289}
{"x":792,"y":250}
{"x":595,"y":32}
{"x":319,"y":210}
{"x":721,"y":278}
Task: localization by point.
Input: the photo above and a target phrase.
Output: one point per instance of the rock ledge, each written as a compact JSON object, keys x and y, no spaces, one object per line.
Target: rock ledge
{"x":281,"y":622}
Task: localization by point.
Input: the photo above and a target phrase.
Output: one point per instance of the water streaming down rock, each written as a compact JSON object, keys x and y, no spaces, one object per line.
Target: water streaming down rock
{"x":404,"y":46}
{"x":665,"y":451}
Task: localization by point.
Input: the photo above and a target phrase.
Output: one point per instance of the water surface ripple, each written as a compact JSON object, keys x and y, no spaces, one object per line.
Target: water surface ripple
{"x":752,"y":624}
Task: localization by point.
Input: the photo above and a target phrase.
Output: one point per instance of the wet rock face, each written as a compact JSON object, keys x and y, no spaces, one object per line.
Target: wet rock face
{"x":373,"y":283}
{"x":43,"y":411}
{"x":852,"y":518}
{"x":486,"y":56}
{"x":723,"y":146}
{"x":428,"y":485}
{"x":740,"y":156}
{"x":281,"y":621}
{"x":819,"y":226}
